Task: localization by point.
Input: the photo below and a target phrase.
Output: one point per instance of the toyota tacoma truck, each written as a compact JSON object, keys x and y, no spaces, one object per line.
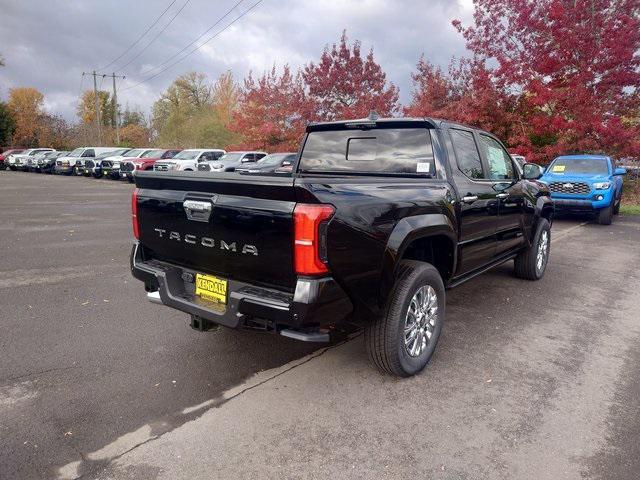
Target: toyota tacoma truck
{"x":586,"y":184}
{"x":376,"y":220}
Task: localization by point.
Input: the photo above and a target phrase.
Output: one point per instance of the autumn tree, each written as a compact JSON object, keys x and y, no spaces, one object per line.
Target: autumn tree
{"x":7,"y":124}
{"x":86,"y":110}
{"x":53,"y":131}
{"x":134,"y":135}
{"x":343,"y":84}
{"x":132,"y":117}
{"x":226,"y":96}
{"x":25,"y":105}
{"x":573,"y":66}
{"x":465,"y":93}
{"x":272,"y":113}
{"x":186,"y":115}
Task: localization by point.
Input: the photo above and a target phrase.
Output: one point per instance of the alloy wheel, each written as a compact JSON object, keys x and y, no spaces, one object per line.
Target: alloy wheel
{"x":420,"y":320}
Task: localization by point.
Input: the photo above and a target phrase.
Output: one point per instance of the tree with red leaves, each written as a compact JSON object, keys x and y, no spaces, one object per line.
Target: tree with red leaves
{"x":344,"y":85}
{"x":572,"y":66}
{"x":271,"y":115}
{"x":465,"y":94}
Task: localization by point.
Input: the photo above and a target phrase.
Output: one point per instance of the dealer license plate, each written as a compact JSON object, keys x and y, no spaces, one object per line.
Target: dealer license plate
{"x":211,"y":288}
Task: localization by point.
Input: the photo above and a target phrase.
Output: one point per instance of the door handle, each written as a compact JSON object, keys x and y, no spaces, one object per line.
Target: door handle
{"x":470,"y":198}
{"x":502,"y":196}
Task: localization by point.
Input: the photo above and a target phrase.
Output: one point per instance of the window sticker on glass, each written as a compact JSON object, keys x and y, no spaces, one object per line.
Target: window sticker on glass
{"x":559,"y":168}
{"x":423,"y":167}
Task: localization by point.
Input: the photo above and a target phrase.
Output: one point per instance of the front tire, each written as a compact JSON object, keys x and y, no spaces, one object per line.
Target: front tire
{"x":531,"y":263}
{"x":616,"y":207}
{"x":605,"y":215}
{"x":403,"y":339}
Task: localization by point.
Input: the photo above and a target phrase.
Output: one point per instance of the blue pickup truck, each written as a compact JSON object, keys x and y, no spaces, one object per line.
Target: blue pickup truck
{"x":585,"y":184}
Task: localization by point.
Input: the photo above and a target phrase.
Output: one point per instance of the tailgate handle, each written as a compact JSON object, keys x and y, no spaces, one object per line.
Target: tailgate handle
{"x":197,"y":210}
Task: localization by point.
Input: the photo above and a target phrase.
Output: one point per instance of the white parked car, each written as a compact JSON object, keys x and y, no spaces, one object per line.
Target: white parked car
{"x":20,"y":161}
{"x":111,"y":165}
{"x":93,"y":167}
{"x":230,"y":161}
{"x":188,"y":160}
{"x":74,"y":162}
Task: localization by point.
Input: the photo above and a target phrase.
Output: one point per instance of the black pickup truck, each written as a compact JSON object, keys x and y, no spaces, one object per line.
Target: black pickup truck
{"x":379,"y":217}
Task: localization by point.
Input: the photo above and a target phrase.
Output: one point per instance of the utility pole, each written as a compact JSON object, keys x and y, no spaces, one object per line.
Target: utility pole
{"x":114,"y":105}
{"x":97,"y":101}
{"x":97,"y":106}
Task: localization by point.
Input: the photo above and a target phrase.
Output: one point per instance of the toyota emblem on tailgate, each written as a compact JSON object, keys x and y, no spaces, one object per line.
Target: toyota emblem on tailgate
{"x":198,"y":210}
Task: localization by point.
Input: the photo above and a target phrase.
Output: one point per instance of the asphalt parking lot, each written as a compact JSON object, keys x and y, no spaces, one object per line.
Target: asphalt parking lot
{"x":530,"y":380}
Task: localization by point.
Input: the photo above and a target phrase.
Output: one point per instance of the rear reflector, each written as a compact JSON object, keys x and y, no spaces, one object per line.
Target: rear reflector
{"x":134,"y":214}
{"x":309,"y":247}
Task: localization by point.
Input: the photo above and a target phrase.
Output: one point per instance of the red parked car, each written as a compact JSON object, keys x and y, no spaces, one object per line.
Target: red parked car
{"x":6,"y":153}
{"x":145,"y":162}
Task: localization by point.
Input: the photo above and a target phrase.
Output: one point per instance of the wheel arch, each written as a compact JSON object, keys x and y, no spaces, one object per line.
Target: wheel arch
{"x":417,"y":238}
{"x":544,"y":209}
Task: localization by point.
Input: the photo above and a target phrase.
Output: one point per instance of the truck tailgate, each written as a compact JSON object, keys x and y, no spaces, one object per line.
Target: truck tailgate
{"x":238,"y":227}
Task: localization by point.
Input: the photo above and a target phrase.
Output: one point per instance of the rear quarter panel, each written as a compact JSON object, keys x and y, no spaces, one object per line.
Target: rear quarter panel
{"x":367,"y":211}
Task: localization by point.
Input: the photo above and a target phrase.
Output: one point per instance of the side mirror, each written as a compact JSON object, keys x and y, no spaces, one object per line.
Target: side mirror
{"x":531,"y":171}
{"x":286,"y":163}
{"x":620,"y":171}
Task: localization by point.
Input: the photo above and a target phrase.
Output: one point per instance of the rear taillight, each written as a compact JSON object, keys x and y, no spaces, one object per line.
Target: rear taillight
{"x":310,"y":238}
{"x":134,"y":214}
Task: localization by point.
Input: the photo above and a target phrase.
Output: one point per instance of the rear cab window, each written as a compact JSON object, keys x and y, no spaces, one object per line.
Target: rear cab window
{"x":400,"y":151}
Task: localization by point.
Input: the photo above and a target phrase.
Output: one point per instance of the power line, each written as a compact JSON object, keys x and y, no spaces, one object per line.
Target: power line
{"x":195,"y":41}
{"x":197,"y":48}
{"x":139,"y":38}
{"x":156,"y":37}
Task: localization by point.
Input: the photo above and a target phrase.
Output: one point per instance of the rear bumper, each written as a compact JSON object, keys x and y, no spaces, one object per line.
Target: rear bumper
{"x":314,"y":303}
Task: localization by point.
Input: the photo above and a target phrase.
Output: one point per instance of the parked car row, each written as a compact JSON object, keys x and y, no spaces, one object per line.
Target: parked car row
{"x":578,"y":183}
{"x":123,"y":163}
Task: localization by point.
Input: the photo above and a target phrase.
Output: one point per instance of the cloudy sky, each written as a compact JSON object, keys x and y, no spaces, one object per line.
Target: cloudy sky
{"x":47,"y":44}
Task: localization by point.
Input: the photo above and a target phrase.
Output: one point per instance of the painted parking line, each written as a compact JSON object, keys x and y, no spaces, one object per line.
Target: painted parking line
{"x":566,"y":232}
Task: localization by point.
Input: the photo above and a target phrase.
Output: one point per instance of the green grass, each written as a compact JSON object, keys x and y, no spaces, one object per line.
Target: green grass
{"x":630,"y":209}
{"x":630,"y":197}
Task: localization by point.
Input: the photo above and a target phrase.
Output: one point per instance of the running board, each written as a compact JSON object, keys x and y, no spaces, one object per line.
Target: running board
{"x":468,"y":276}
{"x":305,"y":337}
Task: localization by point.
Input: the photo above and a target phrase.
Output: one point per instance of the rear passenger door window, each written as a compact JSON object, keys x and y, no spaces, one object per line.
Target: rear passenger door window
{"x":467,"y":154}
{"x":498,"y":160}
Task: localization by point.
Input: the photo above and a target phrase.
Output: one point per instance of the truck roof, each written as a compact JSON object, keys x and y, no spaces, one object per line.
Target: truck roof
{"x":399,"y":121}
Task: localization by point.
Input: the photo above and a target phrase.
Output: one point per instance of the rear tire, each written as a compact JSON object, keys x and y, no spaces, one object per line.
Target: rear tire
{"x":403,"y":339}
{"x":531,"y":263}
{"x":605,"y":216}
